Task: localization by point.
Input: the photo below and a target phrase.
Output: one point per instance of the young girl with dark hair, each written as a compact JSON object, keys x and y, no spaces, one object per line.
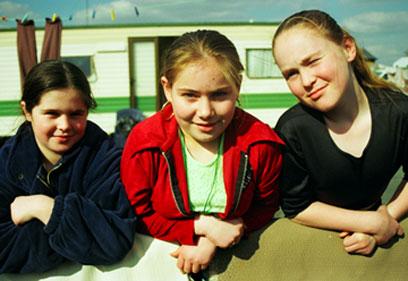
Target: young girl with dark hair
{"x":61,"y":197}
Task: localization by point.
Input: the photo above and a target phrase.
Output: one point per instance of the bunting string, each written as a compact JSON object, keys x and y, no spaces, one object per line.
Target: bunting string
{"x":26,"y":17}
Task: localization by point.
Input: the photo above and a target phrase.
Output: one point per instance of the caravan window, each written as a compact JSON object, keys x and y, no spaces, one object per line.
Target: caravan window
{"x":85,"y":63}
{"x":260,"y":64}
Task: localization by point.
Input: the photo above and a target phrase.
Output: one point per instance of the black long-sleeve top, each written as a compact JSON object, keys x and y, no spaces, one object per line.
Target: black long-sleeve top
{"x":315,"y":169}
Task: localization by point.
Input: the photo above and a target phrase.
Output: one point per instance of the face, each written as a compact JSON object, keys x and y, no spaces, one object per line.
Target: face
{"x":203,"y":101}
{"x":58,"y":122}
{"x":317,"y":71}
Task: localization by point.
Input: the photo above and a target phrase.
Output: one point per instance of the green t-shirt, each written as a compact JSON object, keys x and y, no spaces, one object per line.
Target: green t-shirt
{"x":205,"y":182}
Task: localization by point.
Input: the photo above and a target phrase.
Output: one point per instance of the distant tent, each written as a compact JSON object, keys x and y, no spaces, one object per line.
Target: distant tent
{"x":401,"y":62}
{"x":401,"y":73}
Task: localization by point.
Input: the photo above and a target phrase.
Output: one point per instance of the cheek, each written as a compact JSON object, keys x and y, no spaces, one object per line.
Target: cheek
{"x":183,"y":111}
{"x":80,"y":126}
{"x":42,"y":133}
{"x":296,"y":88}
{"x":43,"y":126}
{"x":227,"y":110}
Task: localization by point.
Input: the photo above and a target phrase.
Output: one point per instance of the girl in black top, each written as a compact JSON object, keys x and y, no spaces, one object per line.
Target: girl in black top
{"x":345,"y":139}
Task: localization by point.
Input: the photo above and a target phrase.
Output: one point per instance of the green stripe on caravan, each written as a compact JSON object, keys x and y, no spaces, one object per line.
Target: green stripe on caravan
{"x":148,"y":104}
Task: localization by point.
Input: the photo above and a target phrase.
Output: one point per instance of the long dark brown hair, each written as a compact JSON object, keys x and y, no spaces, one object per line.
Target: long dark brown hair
{"x":52,"y":75}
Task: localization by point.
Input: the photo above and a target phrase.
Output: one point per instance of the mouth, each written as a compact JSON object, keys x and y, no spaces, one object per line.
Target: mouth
{"x":206,"y":128}
{"x":63,"y":138}
{"x":317,"y":93}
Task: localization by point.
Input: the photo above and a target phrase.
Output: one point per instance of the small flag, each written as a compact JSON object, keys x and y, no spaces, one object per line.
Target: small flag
{"x":25,"y":18}
{"x":93,"y":14}
{"x":113,"y":15}
{"x":4,"y":18}
{"x":70,"y":17}
{"x":136,"y":11}
{"x":54,"y":17}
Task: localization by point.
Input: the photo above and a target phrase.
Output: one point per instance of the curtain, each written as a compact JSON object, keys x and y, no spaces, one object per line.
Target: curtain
{"x":51,"y":47}
{"x":26,"y":47}
{"x":26,"y":44}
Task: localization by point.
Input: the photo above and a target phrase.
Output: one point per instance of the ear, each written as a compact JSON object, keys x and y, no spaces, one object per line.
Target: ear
{"x":25,"y":111}
{"x":350,"y":48}
{"x":166,"y":88}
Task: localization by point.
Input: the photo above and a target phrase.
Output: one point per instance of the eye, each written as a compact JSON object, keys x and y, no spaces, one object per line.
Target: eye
{"x":189,"y":95}
{"x":219,"y":95}
{"x":51,"y":113}
{"x":78,"y":113}
{"x":314,"y":61}
{"x":290,"y":74}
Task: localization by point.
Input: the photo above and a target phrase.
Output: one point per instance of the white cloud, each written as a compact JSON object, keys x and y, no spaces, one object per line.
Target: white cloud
{"x":13,"y":9}
{"x":377,"y":22}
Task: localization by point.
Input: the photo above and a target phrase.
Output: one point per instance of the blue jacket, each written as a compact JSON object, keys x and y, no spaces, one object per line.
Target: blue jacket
{"x":91,"y":222}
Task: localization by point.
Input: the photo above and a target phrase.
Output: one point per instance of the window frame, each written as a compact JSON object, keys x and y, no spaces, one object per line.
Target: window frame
{"x":248,"y":72}
{"x":92,"y":77}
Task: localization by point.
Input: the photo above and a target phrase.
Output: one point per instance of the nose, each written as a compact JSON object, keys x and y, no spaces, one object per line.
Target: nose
{"x":308,"y":78}
{"x":204,"y":110}
{"x":63,"y":123}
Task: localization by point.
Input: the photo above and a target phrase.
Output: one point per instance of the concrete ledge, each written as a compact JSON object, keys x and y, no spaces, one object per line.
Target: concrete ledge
{"x":284,"y":251}
{"x":289,"y":251}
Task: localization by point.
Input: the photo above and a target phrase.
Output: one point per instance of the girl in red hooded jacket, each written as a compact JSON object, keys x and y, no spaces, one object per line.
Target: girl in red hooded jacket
{"x":201,"y":172}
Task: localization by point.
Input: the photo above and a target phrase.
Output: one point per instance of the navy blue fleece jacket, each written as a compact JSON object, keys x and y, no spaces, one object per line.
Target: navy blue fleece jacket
{"x":91,"y":222}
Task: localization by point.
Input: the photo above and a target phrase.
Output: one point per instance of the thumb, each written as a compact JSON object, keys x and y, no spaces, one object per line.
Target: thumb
{"x":400,"y":231}
{"x":343,"y":234}
{"x":176,"y":253}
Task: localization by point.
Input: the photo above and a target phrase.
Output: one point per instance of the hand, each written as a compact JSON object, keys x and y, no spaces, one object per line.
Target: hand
{"x":26,"y":208}
{"x":387,"y":228}
{"x":223,"y":233}
{"x":195,"y":258}
{"x":358,"y":243}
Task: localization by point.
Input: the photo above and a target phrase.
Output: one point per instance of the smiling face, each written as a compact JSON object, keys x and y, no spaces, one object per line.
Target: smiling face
{"x":317,"y":71}
{"x":58,"y":122}
{"x":203,"y":101}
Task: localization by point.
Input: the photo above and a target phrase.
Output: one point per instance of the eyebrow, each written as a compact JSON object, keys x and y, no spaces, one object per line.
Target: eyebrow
{"x":308,"y":58}
{"x":221,"y":89}
{"x":59,"y":111}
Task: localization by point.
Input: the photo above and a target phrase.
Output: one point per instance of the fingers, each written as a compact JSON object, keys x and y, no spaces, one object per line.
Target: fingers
{"x":186,"y":266}
{"x":359,"y":243}
{"x":344,"y":234}
{"x":183,"y":265}
{"x":365,"y":251}
{"x":196,"y":267}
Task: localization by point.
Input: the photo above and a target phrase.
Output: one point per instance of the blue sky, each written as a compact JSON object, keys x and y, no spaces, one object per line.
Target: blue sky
{"x":380,"y":26}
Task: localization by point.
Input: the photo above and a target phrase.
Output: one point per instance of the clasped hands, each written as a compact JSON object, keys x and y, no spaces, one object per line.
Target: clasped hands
{"x":385,"y":228}
{"x":213,"y":233}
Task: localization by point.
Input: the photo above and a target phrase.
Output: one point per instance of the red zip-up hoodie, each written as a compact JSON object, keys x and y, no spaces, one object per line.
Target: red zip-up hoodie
{"x":153,"y":173}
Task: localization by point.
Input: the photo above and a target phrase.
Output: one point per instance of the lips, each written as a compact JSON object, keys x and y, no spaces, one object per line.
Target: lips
{"x":62,"y":138}
{"x":316,"y":94}
{"x":206,"y":127}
